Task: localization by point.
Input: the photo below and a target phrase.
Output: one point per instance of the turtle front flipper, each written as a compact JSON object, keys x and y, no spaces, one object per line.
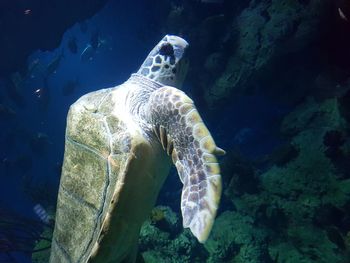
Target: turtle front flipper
{"x":184,"y":136}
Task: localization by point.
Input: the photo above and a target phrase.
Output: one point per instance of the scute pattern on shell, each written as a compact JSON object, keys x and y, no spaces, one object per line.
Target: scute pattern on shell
{"x":96,"y":150}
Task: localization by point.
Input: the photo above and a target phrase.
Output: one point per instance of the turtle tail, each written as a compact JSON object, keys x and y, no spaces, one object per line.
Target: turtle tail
{"x":183,"y":135}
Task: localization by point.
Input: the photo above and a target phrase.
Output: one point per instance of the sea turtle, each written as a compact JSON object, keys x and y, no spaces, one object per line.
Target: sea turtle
{"x":117,"y":148}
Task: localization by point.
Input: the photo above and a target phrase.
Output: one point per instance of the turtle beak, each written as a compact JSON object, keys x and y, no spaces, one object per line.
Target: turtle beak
{"x":176,"y":41}
{"x":179,"y":44}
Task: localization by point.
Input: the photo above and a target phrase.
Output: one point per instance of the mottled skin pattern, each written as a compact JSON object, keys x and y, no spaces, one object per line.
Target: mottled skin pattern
{"x":116,"y":159}
{"x":185,"y":137}
{"x":162,"y":63}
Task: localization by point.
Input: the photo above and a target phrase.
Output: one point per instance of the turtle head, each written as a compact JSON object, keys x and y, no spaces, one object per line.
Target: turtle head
{"x":165,"y":63}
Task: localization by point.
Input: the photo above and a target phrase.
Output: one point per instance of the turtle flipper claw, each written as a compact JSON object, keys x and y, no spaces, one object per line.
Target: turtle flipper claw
{"x":219,"y":151}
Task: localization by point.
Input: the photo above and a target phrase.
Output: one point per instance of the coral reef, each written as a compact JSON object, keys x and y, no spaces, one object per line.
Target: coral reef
{"x":266,"y":32}
{"x":295,"y":195}
{"x":165,"y":219}
{"x":41,"y":252}
{"x":170,"y":243}
{"x":313,"y":115}
{"x":235,"y":237}
{"x":243,"y":46}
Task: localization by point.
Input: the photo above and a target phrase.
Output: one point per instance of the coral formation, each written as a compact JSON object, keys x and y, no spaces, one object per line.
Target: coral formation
{"x":267,"y":31}
{"x":236,"y":238}
{"x":165,"y":219}
{"x":170,"y":244}
{"x":42,"y":248}
{"x":156,"y":215}
{"x":293,"y":195}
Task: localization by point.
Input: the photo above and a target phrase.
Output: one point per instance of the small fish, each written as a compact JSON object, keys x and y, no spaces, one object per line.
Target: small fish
{"x":43,"y":95}
{"x":342,"y":15}
{"x":27,"y":11}
{"x":38,"y":93}
{"x":72,"y":45}
{"x":87,"y":54}
{"x":40,"y":211}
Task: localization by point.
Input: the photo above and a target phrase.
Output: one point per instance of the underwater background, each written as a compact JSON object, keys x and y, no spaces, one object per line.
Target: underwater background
{"x":271,"y":79}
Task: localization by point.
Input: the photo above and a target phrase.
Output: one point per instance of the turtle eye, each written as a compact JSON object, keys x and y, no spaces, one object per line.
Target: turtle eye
{"x":166,"y":50}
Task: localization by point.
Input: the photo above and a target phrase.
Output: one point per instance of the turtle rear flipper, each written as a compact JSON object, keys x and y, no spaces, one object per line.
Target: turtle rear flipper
{"x":185,"y":137}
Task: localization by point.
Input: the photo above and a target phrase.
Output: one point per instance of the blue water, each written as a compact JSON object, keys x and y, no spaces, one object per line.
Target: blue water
{"x":247,"y":125}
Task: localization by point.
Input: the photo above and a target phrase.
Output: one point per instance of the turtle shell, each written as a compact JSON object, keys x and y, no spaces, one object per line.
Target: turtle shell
{"x":110,"y":180}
